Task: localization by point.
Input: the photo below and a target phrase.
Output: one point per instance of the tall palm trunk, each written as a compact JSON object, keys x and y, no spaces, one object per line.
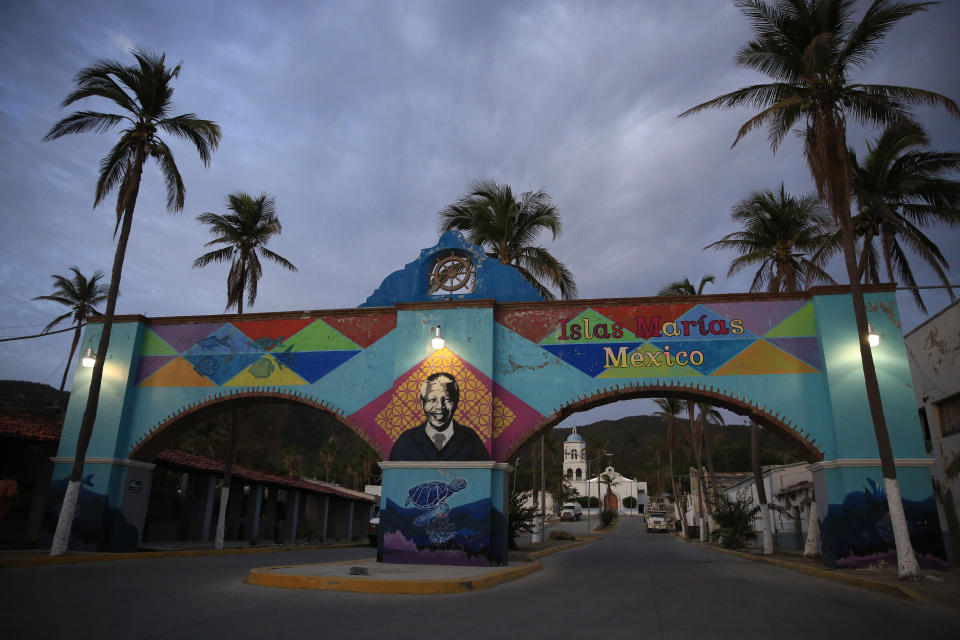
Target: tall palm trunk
{"x":766,"y":529}
{"x":837,"y":174}
{"x":812,"y":548}
{"x":673,"y":478}
{"x":63,"y":381}
{"x":61,"y":536}
{"x":227,"y":479}
{"x":708,"y":450}
{"x":701,"y":487}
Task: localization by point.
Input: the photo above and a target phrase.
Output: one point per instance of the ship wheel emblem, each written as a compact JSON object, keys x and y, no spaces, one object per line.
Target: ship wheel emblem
{"x":451,"y":273}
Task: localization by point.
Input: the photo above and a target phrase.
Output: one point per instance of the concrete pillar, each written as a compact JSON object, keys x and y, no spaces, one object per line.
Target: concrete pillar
{"x":269,"y":525}
{"x":350,"y":520}
{"x":326,"y":517}
{"x":289,"y":532}
{"x":234,"y":510}
{"x":254,"y":507}
{"x":44,"y":470}
{"x":208,"y":508}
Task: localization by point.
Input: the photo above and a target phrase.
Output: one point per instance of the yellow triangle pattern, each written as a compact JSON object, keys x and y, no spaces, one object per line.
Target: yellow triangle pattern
{"x":265,"y":372}
{"x":178,"y":373}
{"x":762,"y":358}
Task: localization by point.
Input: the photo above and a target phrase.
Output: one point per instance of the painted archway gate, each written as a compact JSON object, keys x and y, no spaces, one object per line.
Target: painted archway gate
{"x":519,"y":365}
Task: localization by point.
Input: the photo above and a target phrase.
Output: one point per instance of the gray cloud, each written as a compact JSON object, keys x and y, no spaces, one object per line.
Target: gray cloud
{"x":364,"y":119}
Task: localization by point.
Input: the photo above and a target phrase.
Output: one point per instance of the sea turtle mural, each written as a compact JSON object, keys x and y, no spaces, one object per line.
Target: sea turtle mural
{"x":431,"y":498}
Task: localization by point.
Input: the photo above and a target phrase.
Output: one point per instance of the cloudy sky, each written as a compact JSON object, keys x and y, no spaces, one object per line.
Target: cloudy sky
{"x":364,"y":119}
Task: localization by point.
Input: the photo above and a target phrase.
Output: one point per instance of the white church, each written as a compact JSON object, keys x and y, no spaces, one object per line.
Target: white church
{"x":620,"y":488}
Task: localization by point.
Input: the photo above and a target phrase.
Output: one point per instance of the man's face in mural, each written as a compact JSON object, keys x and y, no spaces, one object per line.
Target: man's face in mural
{"x":438,"y":402}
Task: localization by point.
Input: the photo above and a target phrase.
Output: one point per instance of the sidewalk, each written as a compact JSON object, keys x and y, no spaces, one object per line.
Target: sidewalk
{"x":41,"y":557}
{"x":933,"y":587}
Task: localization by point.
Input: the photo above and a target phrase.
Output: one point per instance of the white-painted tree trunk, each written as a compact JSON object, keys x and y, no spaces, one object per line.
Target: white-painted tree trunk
{"x":703,"y":529}
{"x":907,"y":566}
{"x":812,"y":548}
{"x":766,"y":527}
{"x":61,"y":537}
{"x":222,"y":517}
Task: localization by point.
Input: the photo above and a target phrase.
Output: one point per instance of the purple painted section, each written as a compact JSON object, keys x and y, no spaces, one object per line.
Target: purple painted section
{"x":183,"y":336}
{"x":524,"y":417}
{"x":758,"y":317}
{"x":149,"y":365}
{"x":806,"y":349}
{"x":399,"y":550}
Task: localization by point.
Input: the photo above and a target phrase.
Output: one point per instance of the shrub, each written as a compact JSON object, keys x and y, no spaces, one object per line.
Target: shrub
{"x":734,"y":518}
{"x":559,"y":534}
{"x":520,"y":518}
{"x":630,"y":502}
{"x":607,"y":517}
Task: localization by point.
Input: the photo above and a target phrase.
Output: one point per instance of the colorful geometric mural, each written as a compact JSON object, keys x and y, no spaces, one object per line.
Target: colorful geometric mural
{"x":243,"y":353}
{"x":684,"y":340}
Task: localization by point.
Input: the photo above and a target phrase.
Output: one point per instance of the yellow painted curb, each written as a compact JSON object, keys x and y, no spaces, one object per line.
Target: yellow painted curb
{"x":74,"y":558}
{"x":562,"y":547}
{"x":895,"y":590}
{"x":266,"y":577}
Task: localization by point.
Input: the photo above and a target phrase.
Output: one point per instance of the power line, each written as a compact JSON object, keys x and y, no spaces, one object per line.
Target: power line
{"x":39,"y":335}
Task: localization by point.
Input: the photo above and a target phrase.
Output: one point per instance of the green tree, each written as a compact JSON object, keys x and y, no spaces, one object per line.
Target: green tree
{"x":685,"y":287}
{"x":245,"y":231}
{"x":81,"y":295}
{"x":506,"y":226}
{"x":901,"y":186}
{"x":143,"y":92}
{"x":785,"y":235}
{"x":810,"y":48}
{"x":735,"y":518}
{"x":520,"y":518}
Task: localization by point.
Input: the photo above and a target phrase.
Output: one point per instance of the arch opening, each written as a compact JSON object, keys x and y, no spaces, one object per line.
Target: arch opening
{"x":805,"y":446}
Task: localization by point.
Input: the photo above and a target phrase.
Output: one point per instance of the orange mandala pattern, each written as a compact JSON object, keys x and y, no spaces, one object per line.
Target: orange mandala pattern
{"x":503,"y":417}
{"x":474,"y":409}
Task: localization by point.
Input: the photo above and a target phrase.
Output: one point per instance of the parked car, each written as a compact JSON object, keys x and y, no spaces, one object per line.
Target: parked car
{"x":571,"y":511}
{"x":656,"y":521}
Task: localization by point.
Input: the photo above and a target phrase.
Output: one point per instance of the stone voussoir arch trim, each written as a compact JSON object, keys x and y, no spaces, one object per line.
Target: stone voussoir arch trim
{"x":260,"y":395}
{"x":736,"y":403}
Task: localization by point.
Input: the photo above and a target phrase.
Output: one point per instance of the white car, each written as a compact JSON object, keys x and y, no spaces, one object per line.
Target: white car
{"x":656,"y":521}
{"x":571,"y":511}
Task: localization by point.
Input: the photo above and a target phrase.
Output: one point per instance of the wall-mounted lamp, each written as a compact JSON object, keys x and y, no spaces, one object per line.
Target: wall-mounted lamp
{"x":436,"y":338}
{"x":872,"y":338}
{"x":88,"y":359}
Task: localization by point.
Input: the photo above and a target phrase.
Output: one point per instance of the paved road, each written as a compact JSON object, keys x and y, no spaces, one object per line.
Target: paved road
{"x":630,"y":585}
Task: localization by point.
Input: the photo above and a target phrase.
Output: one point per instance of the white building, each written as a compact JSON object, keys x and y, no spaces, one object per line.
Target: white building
{"x":575,"y":463}
{"x":789,"y":489}
{"x":934,"y":357}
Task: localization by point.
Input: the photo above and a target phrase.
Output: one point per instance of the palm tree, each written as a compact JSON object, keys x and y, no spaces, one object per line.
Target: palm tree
{"x":685,"y":287}
{"x":767,"y":530}
{"x":709,"y":415}
{"x":810,"y":48}
{"x":245,"y":231}
{"x":670,"y":408}
{"x":143,"y":93}
{"x":899,"y":187}
{"x":506,"y":226}
{"x":785,"y":235}
{"x":81,"y":295}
